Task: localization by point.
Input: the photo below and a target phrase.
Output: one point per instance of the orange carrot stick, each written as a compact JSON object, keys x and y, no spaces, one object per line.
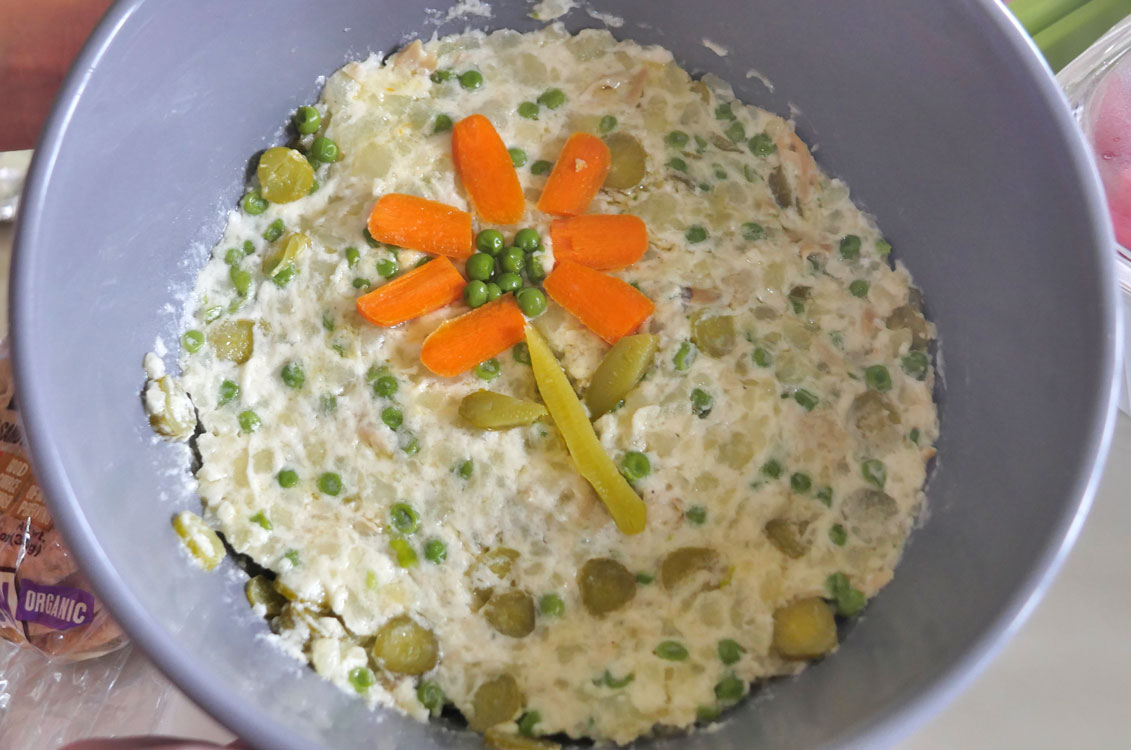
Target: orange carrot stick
{"x":462,"y":343}
{"x":602,"y":241}
{"x":578,"y":175}
{"x":609,"y":307}
{"x":420,"y":224}
{"x":486,"y":170}
{"x":431,"y":286}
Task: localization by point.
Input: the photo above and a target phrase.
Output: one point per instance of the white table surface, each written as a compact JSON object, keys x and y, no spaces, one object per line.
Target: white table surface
{"x":1064,"y":681}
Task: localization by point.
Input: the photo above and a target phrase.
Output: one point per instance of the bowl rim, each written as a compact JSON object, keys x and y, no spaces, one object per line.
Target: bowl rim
{"x":887,"y":726}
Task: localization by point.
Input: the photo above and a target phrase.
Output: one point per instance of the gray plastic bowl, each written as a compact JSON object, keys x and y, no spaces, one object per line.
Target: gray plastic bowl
{"x":940,"y":116}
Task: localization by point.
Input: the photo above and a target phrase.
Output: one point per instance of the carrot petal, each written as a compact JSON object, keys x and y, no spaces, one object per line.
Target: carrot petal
{"x":461,"y":343}
{"x":602,"y":241}
{"x":578,"y":175}
{"x":421,"y":224}
{"x":609,"y":307}
{"x":420,"y":291}
{"x":486,"y":171}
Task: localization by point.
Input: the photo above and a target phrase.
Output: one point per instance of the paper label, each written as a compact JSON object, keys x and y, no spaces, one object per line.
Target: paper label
{"x":56,"y":607}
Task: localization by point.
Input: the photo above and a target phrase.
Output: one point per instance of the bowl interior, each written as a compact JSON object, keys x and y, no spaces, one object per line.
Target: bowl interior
{"x":939,"y":117}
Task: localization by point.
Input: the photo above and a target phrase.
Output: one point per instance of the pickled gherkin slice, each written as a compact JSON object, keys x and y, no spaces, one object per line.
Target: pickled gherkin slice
{"x":497,"y":739}
{"x":171,"y":412}
{"x":233,"y":340}
{"x":713,"y":334}
{"x":593,"y":463}
{"x":199,"y":539}
{"x":685,"y":562}
{"x":285,"y":253}
{"x":788,"y":537}
{"x":261,"y":590}
{"x":404,"y":647}
{"x":488,"y":410}
{"x":495,"y":701}
{"x":619,"y":372}
{"x":511,"y":613}
{"x":626,"y":161}
{"x":804,"y":629}
{"x":284,"y":175}
{"x":605,"y":585}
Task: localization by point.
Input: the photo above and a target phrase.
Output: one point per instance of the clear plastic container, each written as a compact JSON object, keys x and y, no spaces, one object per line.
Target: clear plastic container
{"x":1098,"y":87}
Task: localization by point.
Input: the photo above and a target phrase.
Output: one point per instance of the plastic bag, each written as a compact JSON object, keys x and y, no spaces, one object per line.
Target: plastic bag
{"x":45,"y":601}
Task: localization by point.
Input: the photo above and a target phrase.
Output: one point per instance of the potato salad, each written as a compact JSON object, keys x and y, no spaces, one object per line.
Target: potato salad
{"x":544,"y":383}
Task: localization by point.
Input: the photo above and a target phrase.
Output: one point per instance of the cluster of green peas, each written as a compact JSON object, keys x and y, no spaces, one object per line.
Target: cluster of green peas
{"x":307,"y":120}
{"x":496,"y":269}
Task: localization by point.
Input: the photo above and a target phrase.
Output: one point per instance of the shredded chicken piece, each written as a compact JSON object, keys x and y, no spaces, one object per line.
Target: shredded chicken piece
{"x":413,"y":57}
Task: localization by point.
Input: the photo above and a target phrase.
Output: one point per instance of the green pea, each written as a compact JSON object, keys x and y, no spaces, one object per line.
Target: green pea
{"x":730,"y":689}
{"x":439,"y":76}
{"x":369,"y":238}
{"x":274,"y":230}
{"x":701,"y":403}
{"x":527,"y":722}
{"x":521,"y":353}
{"x":529,"y":110}
{"x":293,"y":374}
{"x":696,"y":514}
{"x":228,"y":392}
{"x":772,"y":469}
{"x":490,"y":241}
{"x":541,"y":167}
{"x":531,"y":301}
{"x":534,"y":270}
{"x":551,"y":605}
{"x":761,"y":145}
{"x":913,"y":436}
{"x":385,"y":386}
{"x":527,"y":239}
{"x":552,"y":98}
{"x":825,"y":495}
{"x":671,"y":651}
{"x":253,"y":203}
{"x":324,"y":150}
{"x":327,"y":403}
{"x":762,"y":357}
{"x":471,"y":79}
{"x":475,"y":294}
{"x":352,"y":256}
{"x":838,"y":535}
{"x":404,"y":553}
{"x":916,"y":364}
{"x":518,"y":156}
{"x":752,"y":231}
{"x":678,"y":164}
{"x":465,"y":470}
{"x":307,"y":120}
{"x":261,"y":520}
{"x":430,"y":695}
{"x":725,"y":111}
{"x":685,"y":356}
{"x":392,"y":417}
{"x":729,"y":651}
{"x":606,"y":125}
{"x":494,"y":291}
{"x":387,"y":268}
{"x":850,"y":247}
{"x":878,"y":378}
{"x":192,"y":341}
{"x":506,"y":282}
{"x":404,"y":518}
{"x":874,"y":472}
{"x":645,"y":578}
{"x":635,"y":465}
{"x":249,"y":421}
{"x":735,"y":132}
{"x":677,"y":139}
{"x":513,"y":260}
{"x":708,"y":713}
{"x":314,"y":185}
{"x":695,"y":233}
{"x":435,"y":551}
{"x":233,"y":256}
{"x":719,"y":172}
{"x":800,"y":482}
{"x":488,"y":370}
{"x":410,"y":445}
{"x":287,"y":478}
{"x":480,"y":267}
{"x":442,"y":124}
{"x":362,"y":678}
{"x":849,"y":600}
{"x":806,"y":399}
{"x":700,"y":144}
{"x":361,"y":283}
{"x":330,"y":483}
{"x":859,"y":288}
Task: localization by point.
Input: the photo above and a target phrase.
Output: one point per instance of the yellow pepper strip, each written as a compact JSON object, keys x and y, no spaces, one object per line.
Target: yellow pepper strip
{"x":625,"y":506}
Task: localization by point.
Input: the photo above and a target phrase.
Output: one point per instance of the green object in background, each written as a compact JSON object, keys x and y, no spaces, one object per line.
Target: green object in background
{"x":1062,"y":29}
